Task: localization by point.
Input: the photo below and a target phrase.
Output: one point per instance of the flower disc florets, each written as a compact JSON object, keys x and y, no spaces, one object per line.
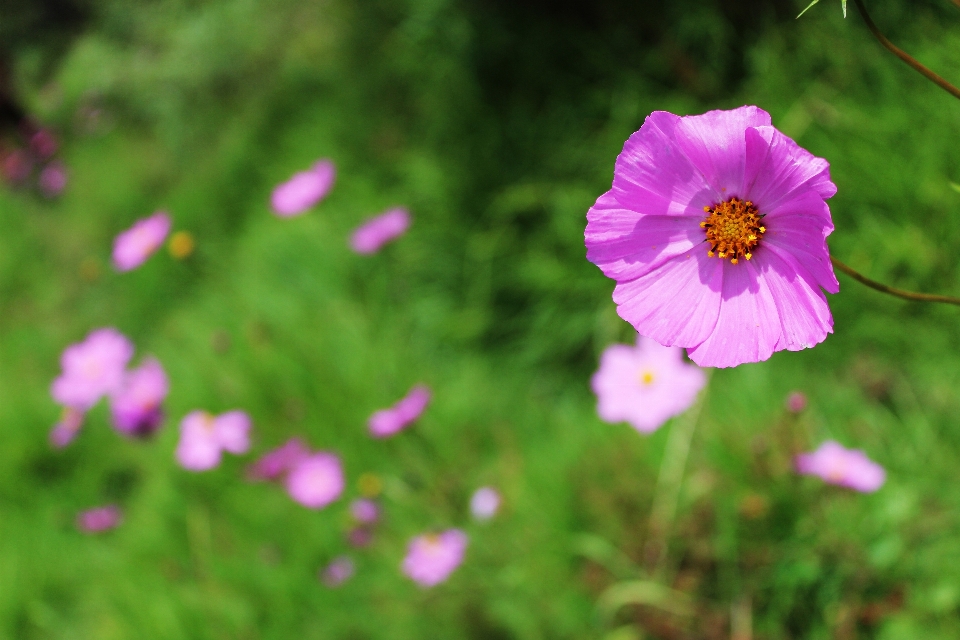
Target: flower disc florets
{"x":733,"y":229}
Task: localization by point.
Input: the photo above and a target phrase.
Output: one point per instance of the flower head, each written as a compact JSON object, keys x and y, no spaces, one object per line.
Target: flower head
{"x":337,"y":572}
{"x":136,"y":406}
{"x":796,"y":402}
{"x":849,"y":468}
{"x":431,"y":558}
{"x":92,"y":368}
{"x":364,"y":511}
{"x":133,"y":246}
{"x":316,"y":481}
{"x":277,"y":462}
{"x":204,"y":437}
{"x":303,"y":190}
{"x":379,"y":230}
{"x":484,"y":503}
{"x":644,"y":385}
{"x":715,"y":232}
{"x":387,"y":422}
{"x":99,"y":519}
{"x":53,"y":179}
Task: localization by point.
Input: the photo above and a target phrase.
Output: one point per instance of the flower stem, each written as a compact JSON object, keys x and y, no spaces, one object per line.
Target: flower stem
{"x":900,"y":293}
{"x":667,"y":493}
{"x":903,"y":55}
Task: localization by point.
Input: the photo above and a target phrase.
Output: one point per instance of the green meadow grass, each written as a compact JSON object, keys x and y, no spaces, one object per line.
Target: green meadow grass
{"x":498,"y":147}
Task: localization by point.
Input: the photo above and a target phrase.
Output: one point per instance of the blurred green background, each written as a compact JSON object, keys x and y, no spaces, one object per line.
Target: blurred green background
{"x":497,"y":123}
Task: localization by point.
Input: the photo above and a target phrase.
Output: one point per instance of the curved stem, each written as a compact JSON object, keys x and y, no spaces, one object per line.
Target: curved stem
{"x":903,"y":55}
{"x":900,"y":293}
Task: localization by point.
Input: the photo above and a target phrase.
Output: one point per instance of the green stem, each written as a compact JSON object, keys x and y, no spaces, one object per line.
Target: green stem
{"x":903,"y":55}
{"x":900,"y":293}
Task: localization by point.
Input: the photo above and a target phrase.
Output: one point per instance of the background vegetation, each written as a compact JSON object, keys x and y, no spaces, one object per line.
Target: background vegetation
{"x":497,"y":123}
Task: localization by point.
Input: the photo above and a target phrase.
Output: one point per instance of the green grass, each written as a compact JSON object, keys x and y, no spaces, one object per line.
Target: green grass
{"x":488,"y":300}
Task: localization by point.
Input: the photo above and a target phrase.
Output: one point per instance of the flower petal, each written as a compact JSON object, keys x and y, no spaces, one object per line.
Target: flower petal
{"x":626,"y":245}
{"x":714,"y":143}
{"x":777,"y":168}
{"x":653,"y":177}
{"x":799,"y":228}
{"x":805,"y":318}
{"x":748,"y":326}
{"x":677,"y":303}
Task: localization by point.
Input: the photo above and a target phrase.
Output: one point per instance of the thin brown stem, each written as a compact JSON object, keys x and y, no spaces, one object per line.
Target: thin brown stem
{"x":903,"y":55}
{"x":900,"y":293}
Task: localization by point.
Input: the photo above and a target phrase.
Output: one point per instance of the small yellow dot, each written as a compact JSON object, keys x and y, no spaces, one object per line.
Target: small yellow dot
{"x":181,"y":245}
{"x":370,"y":485}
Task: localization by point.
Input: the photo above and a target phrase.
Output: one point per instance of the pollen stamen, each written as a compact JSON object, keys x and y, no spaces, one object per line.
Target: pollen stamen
{"x":733,"y":229}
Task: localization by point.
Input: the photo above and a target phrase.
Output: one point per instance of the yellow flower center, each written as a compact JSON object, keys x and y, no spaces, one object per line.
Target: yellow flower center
{"x":646,"y":378}
{"x":733,"y":229}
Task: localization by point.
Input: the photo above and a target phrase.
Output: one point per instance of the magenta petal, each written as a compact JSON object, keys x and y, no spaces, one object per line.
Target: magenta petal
{"x":714,"y":143}
{"x":777,"y":168}
{"x":387,"y":422}
{"x":99,"y":519}
{"x":279,"y":461}
{"x":748,"y":327}
{"x":132,"y":247}
{"x":802,"y":308}
{"x":232,"y":431}
{"x":677,"y":303}
{"x":377,"y":231}
{"x":303,"y":190}
{"x":316,"y":481}
{"x":626,"y":245}
{"x":652,"y":176}
{"x":796,"y":228}
{"x":432,"y":558}
{"x":198,"y":449}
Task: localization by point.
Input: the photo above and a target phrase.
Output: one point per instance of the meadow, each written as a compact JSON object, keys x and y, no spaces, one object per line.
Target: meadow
{"x":497,"y":125}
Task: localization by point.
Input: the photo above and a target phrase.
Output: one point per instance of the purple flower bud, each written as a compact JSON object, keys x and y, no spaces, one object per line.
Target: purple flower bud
{"x":276,"y":462}
{"x":99,"y":519}
{"x":796,"y":402}
{"x":337,"y":572}
{"x":364,"y":511}
{"x":53,"y":179}
{"x":484,"y":503}
{"x":67,"y":428}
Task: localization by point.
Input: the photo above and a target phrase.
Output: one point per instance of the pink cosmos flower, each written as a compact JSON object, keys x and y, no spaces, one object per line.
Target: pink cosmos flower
{"x":484,"y":503}
{"x":431,"y":558}
{"x":364,"y":511}
{"x":92,"y":368}
{"x":387,"y":422}
{"x":337,"y":572}
{"x":316,"y":480}
{"x":136,"y":404}
{"x":277,"y":462}
{"x":67,"y":428}
{"x":303,"y":190}
{"x":44,"y":144}
{"x":132,"y":247}
{"x":99,"y":519}
{"x":379,"y":230}
{"x":204,"y":437}
{"x":53,"y":179}
{"x":849,"y":468}
{"x":715,"y":233}
{"x":644,"y":385}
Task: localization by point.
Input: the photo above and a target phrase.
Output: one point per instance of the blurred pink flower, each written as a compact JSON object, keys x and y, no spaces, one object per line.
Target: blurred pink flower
{"x":277,"y":462}
{"x":645,"y":385}
{"x":99,"y":519}
{"x":484,"y":503}
{"x":204,"y":437}
{"x":316,"y":481}
{"x":132,"y":247}
{"x":849,"y":468}
{"x":337,"y":572}
{"x":379,"y":230}
{"x":431,"y":558}
{"x":387,"y":422}
{"x":92,"y":368}
{"x":136,"y":406}
{"x":67,"y":428}
{"x":303,"y":190}
{"x":44,"y":144}
{"x":715,"y":232}
{"x":364,"y":510}
{"x":360,"y":537}
{"x":53,"y":179}
{"x":16,"y":166}
{"x":796,"y":402}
